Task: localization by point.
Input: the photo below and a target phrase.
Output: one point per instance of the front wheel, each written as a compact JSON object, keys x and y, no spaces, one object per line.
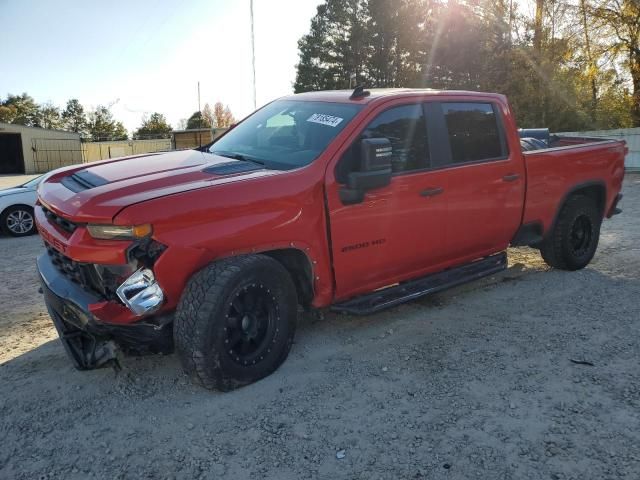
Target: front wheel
{"x":17,"y":221}
{"x":235,"y":321}
{"x":573,"y":241}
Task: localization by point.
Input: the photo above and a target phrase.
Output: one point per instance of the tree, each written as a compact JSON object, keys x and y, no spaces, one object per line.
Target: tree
{"x":119,"y":132}
{"x":74,"y":117}
{"x":622,"y":18}
{"x":222,"y":116}
{"x":155,"y":126}
{"x":397,"y":35}
{"x":197,"y":120}
{"x":207,"y":114}
{"x":49,"y":116}
{"x":102,"y":126}
{"x":7,"y":113}
{"x":558,"y":68}
{"x":20,"y":109}
{"x":333,"y":54}
{"x":182,"y":124}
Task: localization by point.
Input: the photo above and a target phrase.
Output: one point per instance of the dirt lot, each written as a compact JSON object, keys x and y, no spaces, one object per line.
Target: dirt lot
{"x":474,"y":383}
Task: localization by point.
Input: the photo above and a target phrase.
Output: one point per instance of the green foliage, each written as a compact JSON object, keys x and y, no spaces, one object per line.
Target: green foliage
{"x":19,"y":109}
{"x":119,"y":132}
{"x":566,"y":67}
{"x":197,"y":120}
{"x":155,"y":126}
{"x":49,"y":117}
{"x":102,"y":126}
{"x":74,"y":117}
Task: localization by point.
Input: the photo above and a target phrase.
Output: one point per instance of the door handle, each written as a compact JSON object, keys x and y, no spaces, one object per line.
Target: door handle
{"x":431,"y":192}
{"x":511,"y":178}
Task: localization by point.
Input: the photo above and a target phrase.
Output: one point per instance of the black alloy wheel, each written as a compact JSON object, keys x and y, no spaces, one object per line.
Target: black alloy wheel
{"x":581,"y":236}
{"x":251,"y":324}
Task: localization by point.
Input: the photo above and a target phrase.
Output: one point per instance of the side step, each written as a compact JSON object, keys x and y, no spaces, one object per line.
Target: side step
{"x":437,"y":282}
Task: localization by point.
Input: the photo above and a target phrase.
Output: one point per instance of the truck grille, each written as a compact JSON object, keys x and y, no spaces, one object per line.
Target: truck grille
{"x":63,"y":223}
{"x":81,"y":273}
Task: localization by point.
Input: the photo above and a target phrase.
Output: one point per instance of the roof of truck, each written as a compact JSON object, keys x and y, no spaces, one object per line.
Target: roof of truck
{"x":345,"y":96}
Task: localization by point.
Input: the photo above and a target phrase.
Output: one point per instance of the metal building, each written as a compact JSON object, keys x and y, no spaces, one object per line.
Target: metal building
{"x":36,"y":150}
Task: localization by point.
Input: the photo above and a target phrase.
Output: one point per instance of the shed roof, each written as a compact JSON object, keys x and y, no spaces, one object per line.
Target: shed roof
{"x":17,"y":127}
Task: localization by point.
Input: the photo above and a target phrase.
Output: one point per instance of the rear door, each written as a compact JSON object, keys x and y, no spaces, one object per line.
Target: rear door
{"x":396,"y":232}
{"x":486,"y":181}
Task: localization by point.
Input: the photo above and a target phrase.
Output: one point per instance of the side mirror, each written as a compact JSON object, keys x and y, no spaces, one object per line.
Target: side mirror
{"x":375,"y":154}
{"x":375,"y":170}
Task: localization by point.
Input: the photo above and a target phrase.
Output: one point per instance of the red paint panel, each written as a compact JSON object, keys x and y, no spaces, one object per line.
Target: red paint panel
{"x":552,"y":174}
{"x":484,"y":210}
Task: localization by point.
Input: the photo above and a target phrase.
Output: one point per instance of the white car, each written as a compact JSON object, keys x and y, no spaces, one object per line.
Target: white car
{"x":16,"y":209}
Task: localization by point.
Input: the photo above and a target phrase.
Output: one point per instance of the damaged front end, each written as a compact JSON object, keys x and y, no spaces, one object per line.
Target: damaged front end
{"x":79,"y":296}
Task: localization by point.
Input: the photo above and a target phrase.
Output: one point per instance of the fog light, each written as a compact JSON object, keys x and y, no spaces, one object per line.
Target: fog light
{"x":140,"y":292}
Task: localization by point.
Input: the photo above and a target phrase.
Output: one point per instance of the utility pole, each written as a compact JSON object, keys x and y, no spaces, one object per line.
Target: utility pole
{"x":253,"y":56}
{"x":199,"y":117}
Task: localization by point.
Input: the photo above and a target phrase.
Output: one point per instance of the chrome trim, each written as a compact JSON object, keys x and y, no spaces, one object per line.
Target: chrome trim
{"x":141,"y":293}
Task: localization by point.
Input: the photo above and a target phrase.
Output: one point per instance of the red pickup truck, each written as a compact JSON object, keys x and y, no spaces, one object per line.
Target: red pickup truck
{"x":356,"y":201}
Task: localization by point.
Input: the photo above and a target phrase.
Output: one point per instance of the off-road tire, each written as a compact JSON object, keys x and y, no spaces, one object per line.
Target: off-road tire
{"x":14,"y":210}
{"x":557,"y":249}
{"x":201,"y":330}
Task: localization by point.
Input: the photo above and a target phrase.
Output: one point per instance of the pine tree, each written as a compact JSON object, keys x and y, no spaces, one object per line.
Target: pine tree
{"x":154,"y":126}
{"x":74,"y":117}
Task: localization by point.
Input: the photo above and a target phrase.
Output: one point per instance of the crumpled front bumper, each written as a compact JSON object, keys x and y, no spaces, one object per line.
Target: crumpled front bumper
{"x":89,"y":342}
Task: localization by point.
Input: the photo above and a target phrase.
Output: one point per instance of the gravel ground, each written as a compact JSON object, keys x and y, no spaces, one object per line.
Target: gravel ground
{"x":474,"y":383}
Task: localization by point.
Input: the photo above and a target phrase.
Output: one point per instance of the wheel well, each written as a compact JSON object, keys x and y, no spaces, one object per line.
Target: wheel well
{"x":594,"y":190}
{"x":28,"y":207}
{"x":597,"y":192}
{"x":299,"y":267}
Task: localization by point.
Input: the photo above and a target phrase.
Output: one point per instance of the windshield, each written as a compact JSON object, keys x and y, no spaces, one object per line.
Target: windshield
{"x":286,"y":134}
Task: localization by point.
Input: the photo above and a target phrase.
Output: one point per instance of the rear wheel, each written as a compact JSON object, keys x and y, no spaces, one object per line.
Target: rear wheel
{"x":18,"y":221}
{"x":574,"y":239}
{"x":236,"y":321}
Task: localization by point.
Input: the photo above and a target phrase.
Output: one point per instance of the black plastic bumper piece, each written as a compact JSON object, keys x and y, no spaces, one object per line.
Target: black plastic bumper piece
{"x":88,"y":342}
{"x":437,"y":282}
{"x":615,"y":210}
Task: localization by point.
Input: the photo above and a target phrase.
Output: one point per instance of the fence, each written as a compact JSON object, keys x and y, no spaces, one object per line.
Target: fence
{"x":93,"y":151}
{"x":632,"y":137}
{"x":51,"y":153}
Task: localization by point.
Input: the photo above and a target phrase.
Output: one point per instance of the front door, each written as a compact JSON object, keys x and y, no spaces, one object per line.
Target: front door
{"x":397,"y":232}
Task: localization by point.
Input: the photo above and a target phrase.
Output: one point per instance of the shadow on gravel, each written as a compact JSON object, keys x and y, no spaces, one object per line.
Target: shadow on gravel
{"x":469,"y":379}
{"x":332,"y":332}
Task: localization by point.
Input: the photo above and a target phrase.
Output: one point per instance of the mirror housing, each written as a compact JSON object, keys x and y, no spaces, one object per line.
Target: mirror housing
{"x":375,"y":154}
{"x":375,"y":170}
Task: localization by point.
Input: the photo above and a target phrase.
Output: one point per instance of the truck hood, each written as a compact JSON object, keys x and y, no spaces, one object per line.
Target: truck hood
{"x":96,"y":193}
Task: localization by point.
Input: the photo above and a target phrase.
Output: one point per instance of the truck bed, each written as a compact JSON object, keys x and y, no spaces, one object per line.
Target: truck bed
{"x":570,"y":163}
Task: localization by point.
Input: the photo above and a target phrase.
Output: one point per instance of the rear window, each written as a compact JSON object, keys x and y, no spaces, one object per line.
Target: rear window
{"x":474,"y":132}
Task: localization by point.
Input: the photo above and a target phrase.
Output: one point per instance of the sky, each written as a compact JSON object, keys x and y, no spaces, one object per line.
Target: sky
{"x":143,"y":56}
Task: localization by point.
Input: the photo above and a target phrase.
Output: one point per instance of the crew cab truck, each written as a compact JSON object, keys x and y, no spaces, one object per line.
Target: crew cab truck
{"x":356,"y":201}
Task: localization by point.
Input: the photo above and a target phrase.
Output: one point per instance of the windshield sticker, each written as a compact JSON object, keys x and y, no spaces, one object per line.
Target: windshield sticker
{"x":323,"y":119}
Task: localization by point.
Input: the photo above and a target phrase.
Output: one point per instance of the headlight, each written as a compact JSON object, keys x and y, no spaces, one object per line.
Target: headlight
{"x":116,"y":232}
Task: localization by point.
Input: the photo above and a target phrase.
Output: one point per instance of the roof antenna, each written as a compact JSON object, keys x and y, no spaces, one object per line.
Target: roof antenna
{"x":359,"y":92}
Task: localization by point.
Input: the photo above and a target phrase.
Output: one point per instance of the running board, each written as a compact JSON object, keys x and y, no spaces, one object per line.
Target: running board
{"x":437,"y":282}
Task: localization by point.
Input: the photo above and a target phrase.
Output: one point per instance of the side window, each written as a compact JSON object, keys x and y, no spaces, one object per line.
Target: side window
{"x":474,"y":132}
{"x":406,"y":129}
